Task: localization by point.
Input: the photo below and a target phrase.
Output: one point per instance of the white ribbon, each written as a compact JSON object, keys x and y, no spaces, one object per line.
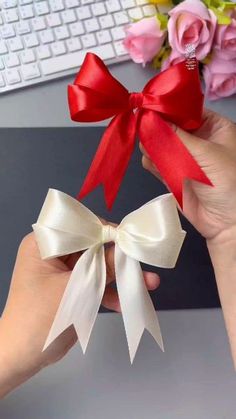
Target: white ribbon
{"x":152,"y":234}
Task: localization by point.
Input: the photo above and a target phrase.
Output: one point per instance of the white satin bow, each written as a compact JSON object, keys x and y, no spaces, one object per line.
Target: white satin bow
{"x":152,"y":234}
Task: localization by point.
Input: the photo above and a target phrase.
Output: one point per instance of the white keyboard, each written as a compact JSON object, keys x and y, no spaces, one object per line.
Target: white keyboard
{"x":44,"y":40}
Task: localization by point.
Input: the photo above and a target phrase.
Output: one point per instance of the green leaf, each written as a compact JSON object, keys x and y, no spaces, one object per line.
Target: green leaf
{"x":220,"y":9}
{"x":160,"y":57}
{"x":219,"y":4}
{"x":222,"y":18}
{"x":207,"y":59}
{"x":163,"y":19}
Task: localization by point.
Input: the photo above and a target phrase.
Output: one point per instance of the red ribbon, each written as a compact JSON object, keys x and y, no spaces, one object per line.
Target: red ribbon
{"x":173,"y":95}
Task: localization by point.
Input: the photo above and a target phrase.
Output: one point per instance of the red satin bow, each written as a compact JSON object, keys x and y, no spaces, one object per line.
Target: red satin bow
{"x":173,"y":95}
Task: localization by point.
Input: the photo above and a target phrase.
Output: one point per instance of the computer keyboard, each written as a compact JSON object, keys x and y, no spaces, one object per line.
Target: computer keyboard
{"x":44,"y":40}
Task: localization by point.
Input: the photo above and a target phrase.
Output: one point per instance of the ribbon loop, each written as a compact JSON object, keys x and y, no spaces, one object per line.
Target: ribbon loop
{"x":174,"y":95}
{"x":151,"y":234}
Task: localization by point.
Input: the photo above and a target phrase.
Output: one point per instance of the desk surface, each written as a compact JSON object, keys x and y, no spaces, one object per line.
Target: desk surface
{"x":45,"y":105}
{"x":194,"y":378}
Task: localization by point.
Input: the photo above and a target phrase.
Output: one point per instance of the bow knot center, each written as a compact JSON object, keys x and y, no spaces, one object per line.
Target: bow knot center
{"x":136,"y":100}
{"x":109,"y":233}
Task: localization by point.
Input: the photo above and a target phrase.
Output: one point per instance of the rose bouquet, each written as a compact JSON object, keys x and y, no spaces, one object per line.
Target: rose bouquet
{"x":209,"y":25}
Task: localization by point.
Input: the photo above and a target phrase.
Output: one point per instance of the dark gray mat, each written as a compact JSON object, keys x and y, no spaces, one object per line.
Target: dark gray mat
{"x":34,"y":159}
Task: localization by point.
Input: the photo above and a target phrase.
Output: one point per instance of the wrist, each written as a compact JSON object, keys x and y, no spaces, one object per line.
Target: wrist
{"x":13,"y":369}
{"x":7,"y":369}
{"x":222,"y":248}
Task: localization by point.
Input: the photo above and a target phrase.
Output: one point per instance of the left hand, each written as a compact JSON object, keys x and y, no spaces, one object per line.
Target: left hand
{"x":36,"y":290}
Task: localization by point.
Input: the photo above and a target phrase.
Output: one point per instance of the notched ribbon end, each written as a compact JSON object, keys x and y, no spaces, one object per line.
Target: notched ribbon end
{"x":109,"y":194}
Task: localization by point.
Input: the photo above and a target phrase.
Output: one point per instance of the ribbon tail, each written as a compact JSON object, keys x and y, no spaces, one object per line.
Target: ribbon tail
{"x":82,"y":298}
{"x":112,"y":157}
{"x":136,"y":304}
{"x":170,"y":156}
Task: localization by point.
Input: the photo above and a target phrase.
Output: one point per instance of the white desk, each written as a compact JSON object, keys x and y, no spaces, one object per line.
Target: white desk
{"x":193,"y":379}
{"x":45,"y":105}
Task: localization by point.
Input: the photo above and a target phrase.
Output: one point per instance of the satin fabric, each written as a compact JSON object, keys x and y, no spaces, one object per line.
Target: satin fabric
{"x":152,"y":234}
{"x":173,"y":96}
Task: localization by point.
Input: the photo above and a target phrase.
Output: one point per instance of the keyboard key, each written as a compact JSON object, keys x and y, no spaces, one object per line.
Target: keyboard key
{"x":30,"y":71}
{"x":61,"y":32}
{"x":149,"y":10}
{"x":31,"y":40}
{"x":71,"y":3}
{"x":46,"y":36}
{"x":118,"y":33}
{"x":68,"y":16}
{"x":27,"y":56}
{"x":12,"y":60}
{"x":2,"y":65}
{"x":53,"y":20}
{"x":7,"y":31}
{"x":56,"y":5}
{"x":41,"y":8}
{"x":2,"y":82}
{"x":22,"y":27}
{"x":91,"y":25}
{"x":58,"y":48}
{"x":10,"y":15}
{"x":77,"y":29}
{"x":73,"y":44}
{"x":74,"y":60}
{"x":136,"y":13}
{"x":12,"y":76}
{"x":83,"y":12}
{"x":142,"y":2}
{"x":26,"y":12}
{"x":120,"y":49}
{"x":88,"y":40}
{"x":104,"y":37}
{"x":15,"y":44}
{"x":98,"y":9}
{"x":43,"y":52}
{"x":38,"y":23}
{"x":8,"y":4}
{"x":23,"y":2}
{"x":113,"y":6}
{"x":127,"y":4}
{"x":106,"y":21}
{"x":3,"y":47}
{"x":121,"y":18}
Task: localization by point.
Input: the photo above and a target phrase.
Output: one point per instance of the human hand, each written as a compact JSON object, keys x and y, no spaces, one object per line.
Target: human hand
{"x":211,"y":210}
{"x":36,"y":290}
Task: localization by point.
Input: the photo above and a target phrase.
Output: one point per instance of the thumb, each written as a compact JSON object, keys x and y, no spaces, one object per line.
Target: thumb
{"x":202,"y":150}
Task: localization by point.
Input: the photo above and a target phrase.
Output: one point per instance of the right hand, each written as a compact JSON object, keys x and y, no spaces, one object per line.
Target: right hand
{"x":212,"y":210}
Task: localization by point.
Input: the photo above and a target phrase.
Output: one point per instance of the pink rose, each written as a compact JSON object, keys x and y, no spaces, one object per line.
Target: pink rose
{"x":225,"y":38}
{"x":220,"y":78}
{"x":191,"y":23}
{"x":144,"y":39}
